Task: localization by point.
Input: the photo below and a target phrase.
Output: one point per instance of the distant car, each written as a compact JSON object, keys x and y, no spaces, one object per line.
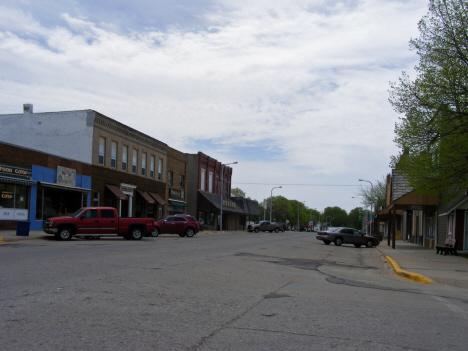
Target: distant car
{"x":184,"y":225}
{"x":265,"y":226}
{"x":342,"y":235}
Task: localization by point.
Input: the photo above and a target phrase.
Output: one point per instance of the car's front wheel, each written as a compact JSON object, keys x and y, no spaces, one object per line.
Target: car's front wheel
{"x":370,"y":244}
{"x":155,"y":232}
{"x":190,"y":232}
{"x":338,"y":241}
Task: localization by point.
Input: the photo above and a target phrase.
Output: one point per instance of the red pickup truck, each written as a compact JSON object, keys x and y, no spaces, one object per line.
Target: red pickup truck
{"x":96,"y":222}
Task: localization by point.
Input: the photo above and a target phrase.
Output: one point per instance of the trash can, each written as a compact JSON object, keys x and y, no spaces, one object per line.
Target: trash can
{"x":22,"y":228}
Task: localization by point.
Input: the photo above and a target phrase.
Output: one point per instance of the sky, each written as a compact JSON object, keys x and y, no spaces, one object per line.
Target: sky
{"x":295,"y":91}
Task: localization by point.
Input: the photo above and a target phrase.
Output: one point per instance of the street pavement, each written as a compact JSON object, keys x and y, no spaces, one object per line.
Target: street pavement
{"x":410,"y":261}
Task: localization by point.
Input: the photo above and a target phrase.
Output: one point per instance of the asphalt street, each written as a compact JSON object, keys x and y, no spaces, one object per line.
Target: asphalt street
{"x":225,"y":291}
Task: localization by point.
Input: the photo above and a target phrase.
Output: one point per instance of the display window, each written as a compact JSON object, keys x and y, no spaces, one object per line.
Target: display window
{"x":13,"y":196}
{"x":54,"y":202}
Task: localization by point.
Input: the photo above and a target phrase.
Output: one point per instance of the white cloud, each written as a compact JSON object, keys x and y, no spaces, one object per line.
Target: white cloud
{"x":307,"y":79}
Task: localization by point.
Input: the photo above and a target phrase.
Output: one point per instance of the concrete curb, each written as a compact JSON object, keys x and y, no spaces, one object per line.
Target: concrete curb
{"x":418,"y":278}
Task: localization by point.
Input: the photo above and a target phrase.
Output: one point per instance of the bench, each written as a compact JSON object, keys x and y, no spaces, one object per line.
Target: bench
{"x":449,"y":247}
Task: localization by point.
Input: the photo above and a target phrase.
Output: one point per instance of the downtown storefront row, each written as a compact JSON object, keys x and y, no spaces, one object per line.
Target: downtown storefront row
{"x":35,"y":186}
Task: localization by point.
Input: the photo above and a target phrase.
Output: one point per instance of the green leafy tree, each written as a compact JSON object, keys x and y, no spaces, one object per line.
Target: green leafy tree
{"x":433,"y":134}
{"x":338,"y":216}
{"x":236,"y":192}
{"x":355,"y":218}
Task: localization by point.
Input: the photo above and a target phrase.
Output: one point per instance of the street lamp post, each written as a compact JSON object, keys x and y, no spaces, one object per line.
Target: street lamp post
{"x":222,"y":188}
{"x":372,"y":194}
{"x":271,"y":199}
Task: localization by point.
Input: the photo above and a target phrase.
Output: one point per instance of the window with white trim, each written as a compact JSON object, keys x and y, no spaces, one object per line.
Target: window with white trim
{"x":134,"y":161}
{"x":202,"y":179}
{"x":102,"y":150}
{"x":124,"y":157}
{"x":143,"y":164}
{"x":160,"y":169}
{"x":152,"y":167}
{"x":114,"y":155}
{"x":210,"y":182}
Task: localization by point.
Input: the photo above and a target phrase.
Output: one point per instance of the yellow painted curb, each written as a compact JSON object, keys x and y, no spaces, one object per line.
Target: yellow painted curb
{"x":418,"y":278}
{"x":1,"y":239}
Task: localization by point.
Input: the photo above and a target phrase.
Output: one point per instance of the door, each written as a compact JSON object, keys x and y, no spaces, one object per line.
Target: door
{"x":168,"y":225}
{"x":89,"y":223}
{"x":108,"y":222}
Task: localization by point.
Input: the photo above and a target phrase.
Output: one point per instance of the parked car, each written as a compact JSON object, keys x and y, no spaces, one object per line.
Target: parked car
{"x":94,"y":222}
{"x":184,"y":225}
{"x":342,"y":235}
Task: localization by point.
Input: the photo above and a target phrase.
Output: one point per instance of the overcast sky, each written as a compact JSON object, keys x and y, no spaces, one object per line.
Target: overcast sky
{"x":296,"y":91}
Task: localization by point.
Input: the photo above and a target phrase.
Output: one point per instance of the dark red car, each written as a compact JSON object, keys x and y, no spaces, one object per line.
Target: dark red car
{"x":184,"y":225}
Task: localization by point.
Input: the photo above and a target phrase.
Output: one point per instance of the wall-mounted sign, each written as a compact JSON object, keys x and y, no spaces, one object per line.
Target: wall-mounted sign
{"x":175,"y":193}
{"x":15,"y":171}
{"x":66,"y":176}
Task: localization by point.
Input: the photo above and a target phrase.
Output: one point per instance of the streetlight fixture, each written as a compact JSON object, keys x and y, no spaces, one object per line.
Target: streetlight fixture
{"x":372,"y":194}
{"x":300,"y":202}
{"x":271,"y":199}
{"x":222,"y":189}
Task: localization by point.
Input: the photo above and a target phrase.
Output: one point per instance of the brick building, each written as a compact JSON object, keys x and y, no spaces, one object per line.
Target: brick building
{"x":204,"y":193}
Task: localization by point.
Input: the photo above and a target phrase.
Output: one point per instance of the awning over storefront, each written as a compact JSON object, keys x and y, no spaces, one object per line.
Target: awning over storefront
{"x":158,"y":198}
{"x":215,"y":200}
{"x":18,"y":181}
{"x":117,"y":192}
{"x":146,"y":196}
{"x":177,"y":203}
{"x":65,"y":187}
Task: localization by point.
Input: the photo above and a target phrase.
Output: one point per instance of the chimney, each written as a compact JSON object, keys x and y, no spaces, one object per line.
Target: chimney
{"x":27,"y":108}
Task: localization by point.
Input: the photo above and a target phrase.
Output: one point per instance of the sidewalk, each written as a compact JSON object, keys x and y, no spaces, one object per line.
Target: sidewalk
{"x":418,"y":261}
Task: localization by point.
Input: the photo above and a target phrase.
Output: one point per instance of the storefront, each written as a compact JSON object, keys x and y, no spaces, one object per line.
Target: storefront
{"x":58,"y":192}
{"x":15,"y":194}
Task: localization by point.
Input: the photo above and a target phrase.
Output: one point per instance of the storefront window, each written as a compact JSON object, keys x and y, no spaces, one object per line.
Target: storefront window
{"x":53,"y":202}
{"x":13,"y":196}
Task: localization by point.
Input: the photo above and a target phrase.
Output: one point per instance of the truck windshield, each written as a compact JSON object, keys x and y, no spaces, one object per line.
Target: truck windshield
{"x":77,"y":213}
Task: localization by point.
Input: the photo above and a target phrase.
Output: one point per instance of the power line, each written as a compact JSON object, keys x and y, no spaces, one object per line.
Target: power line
{"x":354,"y":185}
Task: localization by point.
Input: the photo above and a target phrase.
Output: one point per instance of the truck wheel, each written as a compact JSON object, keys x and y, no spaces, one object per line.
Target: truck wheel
{"x":64,"y":233}
{"x":257,"y":230}
{"x":136,"y":234}
{"x":190,"y":232}
{"x":276,"y":230}
{"x":155,"y":232}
